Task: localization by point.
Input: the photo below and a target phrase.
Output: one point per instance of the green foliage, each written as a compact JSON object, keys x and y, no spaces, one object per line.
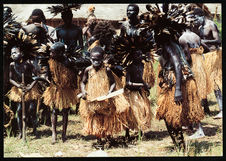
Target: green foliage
{"x":219,"y":25}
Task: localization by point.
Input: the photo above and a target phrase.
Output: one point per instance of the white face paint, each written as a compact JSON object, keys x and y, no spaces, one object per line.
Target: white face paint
{"x":16,"y":54}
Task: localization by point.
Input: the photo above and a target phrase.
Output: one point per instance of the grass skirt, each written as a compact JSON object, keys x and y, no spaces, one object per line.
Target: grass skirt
{"x":213,"y":62}
{"x":189,"y":112}
{"x":199,"y":69}
{"x":62,"y":93}
{"x":102,"y":118}
{"x":149,"y":75}
{"x":140,"y":112}
{"x":15,"y":94}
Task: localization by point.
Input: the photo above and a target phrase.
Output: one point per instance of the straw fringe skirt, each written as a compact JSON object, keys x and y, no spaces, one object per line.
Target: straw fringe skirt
{"x":140,"y":113}
{"x":149,"y":75}
{"x":62,"y":93}
{"x":102,"y":118}
{"x":199,"y":69}
{"x":15,"y":94}
{"x":213,"y":62}
{"x":189,"y":112}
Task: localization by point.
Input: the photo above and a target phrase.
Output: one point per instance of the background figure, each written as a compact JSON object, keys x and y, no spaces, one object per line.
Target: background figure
{"x":191,"y":44}
{"x":209,"y":34}
{"x":90,"y":24}
{"x":36,"y":24}
{"x":68,"y":33}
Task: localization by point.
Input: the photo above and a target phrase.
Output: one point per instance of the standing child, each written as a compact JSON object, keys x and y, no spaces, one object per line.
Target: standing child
{"x":101,"y":118}
{"x":62,"y":92}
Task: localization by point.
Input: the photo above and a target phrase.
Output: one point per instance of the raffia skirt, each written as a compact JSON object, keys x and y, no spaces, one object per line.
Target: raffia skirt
{"x":15,"y":94}
{"x":189,"y":112}
{"x":63,"y":93}
{"x":149,"y":75}
{"x":199,"y":70}
{"x":103,"y":118}
{"x":140,"y":111}
{"x":59,"y":97}
{"x":213,"y":62}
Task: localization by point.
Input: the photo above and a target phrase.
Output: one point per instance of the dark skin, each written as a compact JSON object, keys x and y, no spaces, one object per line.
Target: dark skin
{"x":208,"y":32}
{"x":134,"y":73}
{"x":191,"y":40}
{"x":170,"y":51}
{"x":129,"y":28}
{"x":97,"y":62}
{"x":37,"y":26}
{"x":17,"y":67}
{"x":87,"y":30}
{"x":68,"y":33}
{"x":59,"y":57}
{"x":134,"y":78}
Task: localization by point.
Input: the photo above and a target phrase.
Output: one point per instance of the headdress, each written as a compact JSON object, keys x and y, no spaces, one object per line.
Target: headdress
{"x":26,"y":42}
{"x":103,"y":31}
{"x":91,"y":8}
{"x":63,"y":7}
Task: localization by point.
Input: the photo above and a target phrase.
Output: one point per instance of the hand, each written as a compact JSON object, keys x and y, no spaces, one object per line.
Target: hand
{"x":109,"y":92}
{"x":178,"y":97}
{"x":84,"y":94}
{"x":25,"y":89}
{"x":147,"y":86}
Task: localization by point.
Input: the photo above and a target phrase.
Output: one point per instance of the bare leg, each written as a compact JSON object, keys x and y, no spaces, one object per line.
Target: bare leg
{"x":218,"y":95}
{"x":65,"y":122}
{"x":180,"y":139}
{"x":32,"y":112}
{"x":19,"y":119}
{"x":127,"y":136}
{"x":171,"y":133}
{"x":54,"y":124}
{"x":204,"y":103}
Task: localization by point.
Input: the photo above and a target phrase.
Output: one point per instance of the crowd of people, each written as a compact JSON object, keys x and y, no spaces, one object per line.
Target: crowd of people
{"x":109,"y":77}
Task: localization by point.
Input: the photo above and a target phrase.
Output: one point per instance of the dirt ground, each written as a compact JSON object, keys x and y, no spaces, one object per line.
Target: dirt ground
{"x":156,"y":142}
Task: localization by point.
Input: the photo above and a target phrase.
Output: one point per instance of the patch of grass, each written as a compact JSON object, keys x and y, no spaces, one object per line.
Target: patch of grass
{"x":219,"y":25}
{"x":157,"y":142}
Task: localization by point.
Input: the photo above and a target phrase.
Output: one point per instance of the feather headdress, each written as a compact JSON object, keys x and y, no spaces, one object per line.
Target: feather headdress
{"x":103,"y":31}
{"x":167,"y":24}
{"x":10,"y":28}
{"x":123,"y":47}
{"x":26,"y":42}
{"x":63,"y":7}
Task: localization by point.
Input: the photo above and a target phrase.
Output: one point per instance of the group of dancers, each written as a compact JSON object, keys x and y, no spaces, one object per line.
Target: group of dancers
{"x":109,"y":78}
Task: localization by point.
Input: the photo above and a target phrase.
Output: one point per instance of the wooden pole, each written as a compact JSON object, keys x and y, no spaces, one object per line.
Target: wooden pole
{"x":23,"y":111}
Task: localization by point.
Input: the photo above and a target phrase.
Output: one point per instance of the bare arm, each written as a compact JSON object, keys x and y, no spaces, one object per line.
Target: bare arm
{"x":80,"y":39}
{"x":11,"y":75}
{"x":111,"y":80}
{"x":185,"y":48}
{"x":174,"y":58}
{"x":215,"y":33}
{"x":129,"y":83}
{"x":84,"y":81}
